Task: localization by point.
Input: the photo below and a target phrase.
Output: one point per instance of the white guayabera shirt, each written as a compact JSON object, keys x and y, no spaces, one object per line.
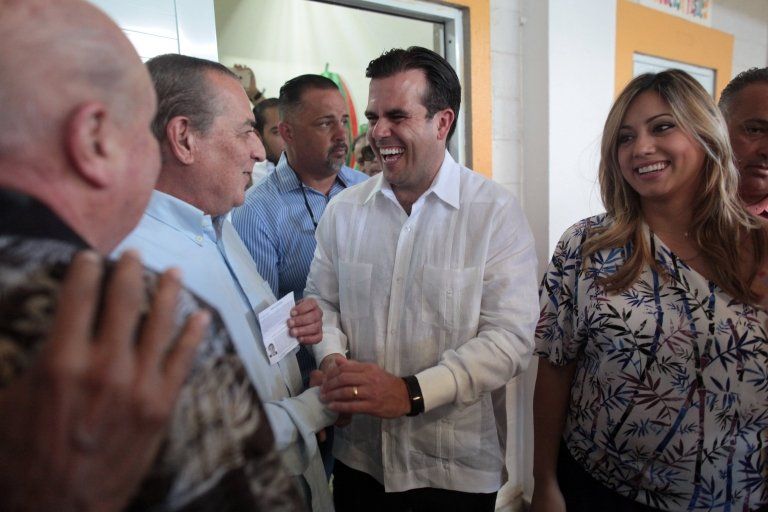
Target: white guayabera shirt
{"x":448,"y":294}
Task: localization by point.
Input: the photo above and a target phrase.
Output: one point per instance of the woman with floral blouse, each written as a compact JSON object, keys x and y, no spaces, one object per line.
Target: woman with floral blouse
{"x":652,"y":388}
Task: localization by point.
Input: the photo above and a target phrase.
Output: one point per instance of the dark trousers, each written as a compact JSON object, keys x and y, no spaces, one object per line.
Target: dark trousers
{"x":355,"y":491}
{"x":584,"y":493}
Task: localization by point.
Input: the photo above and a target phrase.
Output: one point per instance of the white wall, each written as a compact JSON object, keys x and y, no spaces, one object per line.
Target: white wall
{"x":567,"y":88}
{"x":582,"y":53}
{"x":747,"y":20}
{"x":568,"y":54}
{"x":156,"y":27}
{"x":507,"y":145}
{"x":506,"y":67}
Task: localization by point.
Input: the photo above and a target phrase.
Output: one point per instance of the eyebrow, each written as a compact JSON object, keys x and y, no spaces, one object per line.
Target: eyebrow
{"x":396,"y":112}
{"x":649,"y":120}
{"x":389,"y":113}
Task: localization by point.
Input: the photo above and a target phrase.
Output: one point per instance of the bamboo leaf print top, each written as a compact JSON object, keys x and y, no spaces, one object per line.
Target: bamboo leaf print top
{"x":669,"y":404}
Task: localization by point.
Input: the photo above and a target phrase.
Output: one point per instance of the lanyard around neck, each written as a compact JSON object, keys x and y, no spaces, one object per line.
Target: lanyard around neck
{"x":309,"y":208}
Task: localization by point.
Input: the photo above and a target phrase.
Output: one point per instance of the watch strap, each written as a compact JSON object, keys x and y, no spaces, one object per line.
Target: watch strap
{"x":414,"y":395}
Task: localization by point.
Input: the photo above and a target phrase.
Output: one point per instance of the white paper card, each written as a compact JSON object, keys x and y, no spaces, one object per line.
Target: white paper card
{"x":274,"y":329}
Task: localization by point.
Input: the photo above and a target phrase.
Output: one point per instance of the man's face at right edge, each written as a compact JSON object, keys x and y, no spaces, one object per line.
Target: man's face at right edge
{"x":747,"y":119}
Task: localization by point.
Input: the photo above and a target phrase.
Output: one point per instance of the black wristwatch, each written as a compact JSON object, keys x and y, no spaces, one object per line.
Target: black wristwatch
{"x":414,"y":395}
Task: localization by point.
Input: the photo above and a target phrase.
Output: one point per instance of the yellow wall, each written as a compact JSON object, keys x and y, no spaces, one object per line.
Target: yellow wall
{"x":651,"y":32}
{"x":479,"y":48}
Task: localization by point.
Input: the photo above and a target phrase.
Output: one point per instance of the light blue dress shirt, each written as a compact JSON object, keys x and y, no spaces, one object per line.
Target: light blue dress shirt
{"x":277,"y":227}
{"x":216,"y":266}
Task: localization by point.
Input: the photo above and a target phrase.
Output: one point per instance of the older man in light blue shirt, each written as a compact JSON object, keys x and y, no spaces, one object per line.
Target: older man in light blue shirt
{"x":208,"y":153}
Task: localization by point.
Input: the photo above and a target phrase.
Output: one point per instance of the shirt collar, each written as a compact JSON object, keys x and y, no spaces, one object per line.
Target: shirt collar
{"x":345,"y":176}
{"x":184,"y":217}
{"x":288,"y":179}
{"x":446,"y":185}
{"x":25,"y":216}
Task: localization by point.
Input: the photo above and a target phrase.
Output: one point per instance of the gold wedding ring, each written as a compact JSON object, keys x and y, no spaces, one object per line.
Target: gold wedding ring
{"x":354,"y":391}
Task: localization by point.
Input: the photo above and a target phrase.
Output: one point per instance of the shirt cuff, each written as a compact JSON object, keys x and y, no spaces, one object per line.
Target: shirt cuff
{"x":438,"y":387}
{"x":330,"y":345}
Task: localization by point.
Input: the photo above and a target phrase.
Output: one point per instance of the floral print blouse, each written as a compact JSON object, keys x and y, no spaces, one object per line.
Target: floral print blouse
{"x":669,"y":404}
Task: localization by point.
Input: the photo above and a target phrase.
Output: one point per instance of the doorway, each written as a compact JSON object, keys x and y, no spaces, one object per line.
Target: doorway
{"x":280,"y":39}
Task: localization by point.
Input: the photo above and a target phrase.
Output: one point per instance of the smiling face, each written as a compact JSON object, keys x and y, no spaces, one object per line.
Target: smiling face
{"x":315,"y":133}
{"x":409,"y":144}
{"x":225,"y":154}
{"x":747,"y":118}
{"x":659,"y":160}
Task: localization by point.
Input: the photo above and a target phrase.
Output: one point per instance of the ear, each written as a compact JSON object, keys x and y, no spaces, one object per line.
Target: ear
{"x":181,"y":139}
{"x":91,"y":144}
{"x":286,"y":132}
{"x":445,"y":119}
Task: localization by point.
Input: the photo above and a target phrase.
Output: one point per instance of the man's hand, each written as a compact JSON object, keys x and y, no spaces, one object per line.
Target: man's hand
{"x":248,"y":81}
{"x":351,"y":387}
{"x":306,"y":322}
{"x":325,"y":365}
{"x":79,"y":429}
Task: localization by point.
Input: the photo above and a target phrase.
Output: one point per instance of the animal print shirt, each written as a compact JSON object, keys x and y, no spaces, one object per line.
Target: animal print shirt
{"x":219,"y":452}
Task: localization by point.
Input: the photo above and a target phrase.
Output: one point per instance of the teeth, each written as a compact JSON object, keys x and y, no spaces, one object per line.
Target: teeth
{"x":391,"y":151}
{"x":651,"y":168}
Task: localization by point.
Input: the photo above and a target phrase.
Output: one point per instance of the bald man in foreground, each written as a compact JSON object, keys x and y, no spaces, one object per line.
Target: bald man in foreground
{"x":97,"y":411}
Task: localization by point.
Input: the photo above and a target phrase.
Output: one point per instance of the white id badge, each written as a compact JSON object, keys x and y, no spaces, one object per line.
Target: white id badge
{"x":274,"y":329}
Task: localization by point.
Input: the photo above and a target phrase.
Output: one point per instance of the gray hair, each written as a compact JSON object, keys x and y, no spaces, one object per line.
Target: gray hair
{"x":182,"y":90}
{"x":735,"y":86}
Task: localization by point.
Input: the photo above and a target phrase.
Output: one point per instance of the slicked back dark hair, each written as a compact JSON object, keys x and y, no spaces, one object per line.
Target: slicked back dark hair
{"x":743,"y":79}
{"x":292,"y":91}
{"x":260,"y":112}
{"x":182,"y":90}
{"x":443,"y":86}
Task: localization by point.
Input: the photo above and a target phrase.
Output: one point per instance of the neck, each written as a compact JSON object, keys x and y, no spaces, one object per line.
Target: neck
{"x":174,"y":183}
{"x":406,"y":196}
{"x":64,"y":198}
{"x":322,"y":183}
{"x":668,"y":218}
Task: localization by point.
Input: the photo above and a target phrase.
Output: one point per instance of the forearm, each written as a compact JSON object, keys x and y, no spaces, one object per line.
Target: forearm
{"x":550,"y":409}
{"x":481,"y":365}
{"x":299,"y":418}
{"x":323,"y":286}
{"x":500,"y":347}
